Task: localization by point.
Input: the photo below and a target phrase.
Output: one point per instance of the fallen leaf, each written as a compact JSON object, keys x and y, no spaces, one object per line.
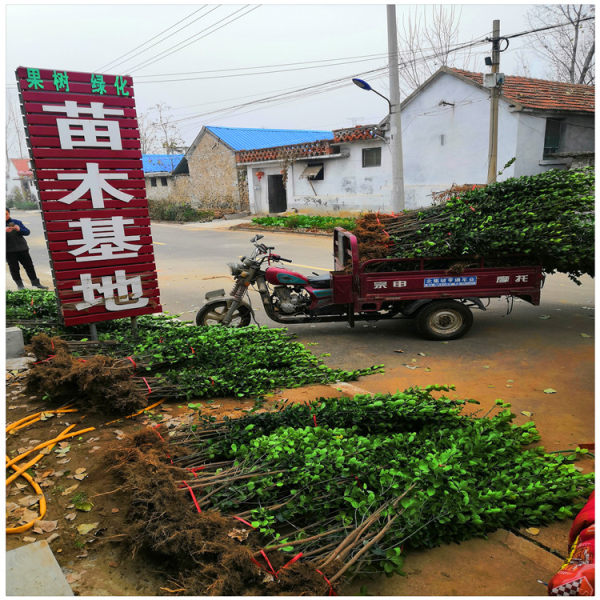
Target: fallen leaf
{"x":427,"y":370}
{"x":73,"y":577}
{"x":62,"y":451}
{"x":29,"y":500}
{"x":585,"y":335}
{"x":114,"y":510}
{"x":70,"y":489}
{"x":46,"y":526}
{"x":47,"y":415}
{"x":113,"y":564}
{"x":526,"y":413}
{"x":84,"y":506}
{"x":532,"y":530}
{"x":413,"y":360}
{"x":399,"y":351}
{"x":84,"y":554}
{"x":85,"y":528}
{"x":63,"y":461}
{"x":29,"y":539}
{"x":94,"y":449}
{"x":510,"y":381}
{"x":28,"y":515}
{"x":64,"y":445}
{"x":549,"y":391}
{"x":486,"y":366}
{"x":52,"y":537}
{"x":80,"y":470}
{"x":120,"y":435}
{"x":421,"y":354}
{"x":48,"y":473}
{"x":70,"y":516}
{"x":544,"y":317}
{"x":80,"y":476}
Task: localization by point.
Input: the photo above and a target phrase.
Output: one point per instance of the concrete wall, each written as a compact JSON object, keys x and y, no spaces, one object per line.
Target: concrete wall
{"x":347,"y":186}
{"x":445,"y":138}
{"x":159,"y":191}
{"x":578,"y":134}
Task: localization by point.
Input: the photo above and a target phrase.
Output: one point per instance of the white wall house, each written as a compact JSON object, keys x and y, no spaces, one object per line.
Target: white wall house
{"x":351,"y":173}
{"x":445,"y":137}
{"x":445,"y":130}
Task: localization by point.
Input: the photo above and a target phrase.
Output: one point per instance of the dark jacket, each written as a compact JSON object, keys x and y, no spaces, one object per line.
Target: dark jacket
{"x":15,"y":242}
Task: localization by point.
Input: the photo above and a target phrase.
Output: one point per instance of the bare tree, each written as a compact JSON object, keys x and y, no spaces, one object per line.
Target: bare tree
{"x":569,"y":49}
{"x":427,"y":42}
{"x":167,"y":131}
{"x":148,"y":133}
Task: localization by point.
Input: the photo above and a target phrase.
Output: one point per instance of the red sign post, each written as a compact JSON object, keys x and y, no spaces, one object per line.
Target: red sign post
{"x":85,"y":151}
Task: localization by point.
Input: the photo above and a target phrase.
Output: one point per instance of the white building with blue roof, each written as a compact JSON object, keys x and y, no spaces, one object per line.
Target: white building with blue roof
{"x":158,"y":170}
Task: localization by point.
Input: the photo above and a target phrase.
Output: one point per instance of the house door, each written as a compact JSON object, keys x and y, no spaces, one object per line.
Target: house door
{"x":277,"y":196}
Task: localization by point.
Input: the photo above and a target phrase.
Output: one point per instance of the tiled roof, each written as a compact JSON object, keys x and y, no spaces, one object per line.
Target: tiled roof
{"x":160,"y":163}
{"x":22,"y":167}
{"x":541,"y":94}
{"x":243,"y":138}
{"x":308,"y":150}
{"x":360,"y":132}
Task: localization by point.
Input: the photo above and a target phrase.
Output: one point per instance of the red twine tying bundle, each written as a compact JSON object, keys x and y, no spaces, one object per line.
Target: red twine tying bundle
{"x":331,"y":590}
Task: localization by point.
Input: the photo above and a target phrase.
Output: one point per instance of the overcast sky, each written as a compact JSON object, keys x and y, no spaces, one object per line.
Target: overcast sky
{"x":207,"y":74}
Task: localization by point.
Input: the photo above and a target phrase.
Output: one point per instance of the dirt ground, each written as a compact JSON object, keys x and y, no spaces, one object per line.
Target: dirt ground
{"x":81,"y":490}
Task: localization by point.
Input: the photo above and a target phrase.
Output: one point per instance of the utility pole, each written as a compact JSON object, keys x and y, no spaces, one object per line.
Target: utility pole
{"x":395,"y":125}
{"x":495,"y":95}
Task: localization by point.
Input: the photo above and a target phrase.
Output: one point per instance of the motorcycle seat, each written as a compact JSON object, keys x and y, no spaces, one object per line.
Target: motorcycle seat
{"x":320,"y":282}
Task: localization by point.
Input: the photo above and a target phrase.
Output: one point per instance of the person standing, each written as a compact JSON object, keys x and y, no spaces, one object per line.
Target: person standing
{"x":17,"y":251}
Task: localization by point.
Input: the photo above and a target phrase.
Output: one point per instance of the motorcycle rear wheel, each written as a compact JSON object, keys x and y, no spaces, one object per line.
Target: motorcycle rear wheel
{"x":213,"y":313}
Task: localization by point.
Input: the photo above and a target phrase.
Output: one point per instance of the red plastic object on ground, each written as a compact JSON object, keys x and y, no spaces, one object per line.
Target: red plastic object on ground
{"x":576,"y":576}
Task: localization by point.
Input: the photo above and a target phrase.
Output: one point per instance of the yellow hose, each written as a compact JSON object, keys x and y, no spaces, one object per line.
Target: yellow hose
{"x":16,"y":459}
{"x":35,"y":417}
{"x":38,"y":490}
{"x":51,"y":444}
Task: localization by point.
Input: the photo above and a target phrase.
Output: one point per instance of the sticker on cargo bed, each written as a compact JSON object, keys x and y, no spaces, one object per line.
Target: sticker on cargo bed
{"x":450,"y":281}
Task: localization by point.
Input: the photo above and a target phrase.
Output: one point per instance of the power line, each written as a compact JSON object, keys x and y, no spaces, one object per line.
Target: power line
{"x":258,"y":72}
{"x":303,"y":62}
{"x":515,"y":35}
{"x":193,"y":39}
{"x":107,"y":65}
{"x":314,"y":89}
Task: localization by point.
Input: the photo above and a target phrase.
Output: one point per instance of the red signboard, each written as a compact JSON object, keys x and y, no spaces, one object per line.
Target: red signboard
{"x":84,"y":143}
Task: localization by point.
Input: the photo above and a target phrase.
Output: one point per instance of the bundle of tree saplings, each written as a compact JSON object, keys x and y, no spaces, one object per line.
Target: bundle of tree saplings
{"x":174,"y":359}
{"x":360,"y":481}
{"x":545,"y":219}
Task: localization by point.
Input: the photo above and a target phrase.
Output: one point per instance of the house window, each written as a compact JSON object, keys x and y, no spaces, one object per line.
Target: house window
{"x":314,"y":172}
{"x":163,"y":181}
{"x":371,"y":157}
{"x":552,"y":137}
{"x":153,"y":181}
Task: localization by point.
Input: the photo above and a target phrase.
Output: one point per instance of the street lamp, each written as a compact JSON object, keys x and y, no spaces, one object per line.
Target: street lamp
{"x":363,"y":85}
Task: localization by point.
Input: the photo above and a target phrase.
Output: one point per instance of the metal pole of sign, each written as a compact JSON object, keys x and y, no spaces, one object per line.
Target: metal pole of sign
{"x":134,"y":329}
{"x":93,"y":332}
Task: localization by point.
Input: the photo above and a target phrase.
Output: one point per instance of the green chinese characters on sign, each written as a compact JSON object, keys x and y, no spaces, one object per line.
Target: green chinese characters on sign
{"x":120,"y":83}
{"x":34,"y":79}
{"x":98,"y":84}
{"x":61,"y":80}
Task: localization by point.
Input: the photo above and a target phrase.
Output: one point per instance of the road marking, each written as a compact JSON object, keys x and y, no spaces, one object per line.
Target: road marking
{"x":354,"y":389}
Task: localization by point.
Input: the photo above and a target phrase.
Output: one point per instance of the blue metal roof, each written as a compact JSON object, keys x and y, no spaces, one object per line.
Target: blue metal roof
{"x":160,"y":163}
{"x":242,"y":138}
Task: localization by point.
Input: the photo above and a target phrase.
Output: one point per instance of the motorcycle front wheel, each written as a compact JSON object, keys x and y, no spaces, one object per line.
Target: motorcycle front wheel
{"x":213,"y":313}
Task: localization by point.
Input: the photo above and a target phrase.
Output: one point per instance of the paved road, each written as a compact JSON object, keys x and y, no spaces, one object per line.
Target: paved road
{"x":514,"y":357}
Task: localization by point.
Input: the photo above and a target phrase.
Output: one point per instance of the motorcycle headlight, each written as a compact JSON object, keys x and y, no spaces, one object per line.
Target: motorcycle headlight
{"x":236,"y":268}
